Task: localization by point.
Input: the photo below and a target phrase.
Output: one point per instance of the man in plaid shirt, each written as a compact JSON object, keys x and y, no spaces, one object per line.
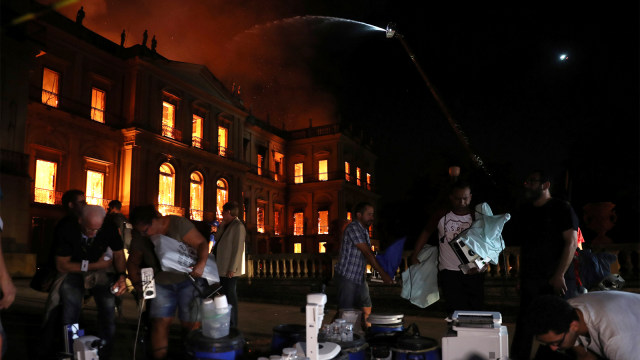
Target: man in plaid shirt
{"x":355,"y":252}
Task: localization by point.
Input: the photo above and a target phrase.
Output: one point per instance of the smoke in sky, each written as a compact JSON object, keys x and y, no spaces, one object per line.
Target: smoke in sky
{"x":265,"y":47}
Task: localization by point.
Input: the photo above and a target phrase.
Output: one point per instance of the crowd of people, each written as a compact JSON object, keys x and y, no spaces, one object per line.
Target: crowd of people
{"x":87,"y":256}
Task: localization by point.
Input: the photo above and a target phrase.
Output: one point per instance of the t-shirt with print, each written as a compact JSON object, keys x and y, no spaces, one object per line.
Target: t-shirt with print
{"x":449,"y":226}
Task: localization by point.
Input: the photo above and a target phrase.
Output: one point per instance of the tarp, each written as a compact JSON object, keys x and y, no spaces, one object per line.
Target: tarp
{"x":420,"y":281}
{"x":392,"y":256}
{"x":485,"y":234}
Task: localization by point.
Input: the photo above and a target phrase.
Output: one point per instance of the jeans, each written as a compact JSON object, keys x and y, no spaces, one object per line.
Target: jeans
{"x":229,"y":289}
{"x":71,"y":297}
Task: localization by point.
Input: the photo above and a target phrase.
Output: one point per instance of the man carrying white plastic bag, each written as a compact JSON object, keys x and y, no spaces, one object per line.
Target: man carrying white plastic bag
{"x":179,"y":257}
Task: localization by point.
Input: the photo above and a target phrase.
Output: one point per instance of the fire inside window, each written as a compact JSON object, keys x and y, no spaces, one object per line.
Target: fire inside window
{"x":297,"y":248}
{"x":298,"y":172}
{"x":298,"y":224}
{"x":196,"y":132}
{"x":95,"y":186}
{"x":50,"y":84}
{"x":196,"y":196}
{"x":358,"y":177}
{"x":368,"y":181}
{"x":45,"y":183}
{"x":370,"y":231}
{"x":165,"y":186}
{"x":223,"y":134}
{"x":323,"y":222}
{"x":222,"y":190}
{"x":260,"y":157}
{"x":348,"y":215}
{"x":168,"y":119}
{"x":260,"y":219}
{"x":276,"y":222}
{"x":97,"y":105}
{"x":322,"y":247}
{"x":277,"y":163}
{"x":347,"y":171}
{"x":323,"y":175}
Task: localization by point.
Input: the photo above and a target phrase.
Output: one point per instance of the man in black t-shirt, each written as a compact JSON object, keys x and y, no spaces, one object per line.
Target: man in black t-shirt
{"x":83,"y":256}
{"x":547,"y":228}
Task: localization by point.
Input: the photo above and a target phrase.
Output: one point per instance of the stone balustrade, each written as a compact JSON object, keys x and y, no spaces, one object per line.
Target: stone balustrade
{"x":318,"y":266}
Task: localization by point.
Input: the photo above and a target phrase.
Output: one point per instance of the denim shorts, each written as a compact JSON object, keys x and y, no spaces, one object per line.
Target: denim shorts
{"x":182,"y":295}
{"x":352,"y":295}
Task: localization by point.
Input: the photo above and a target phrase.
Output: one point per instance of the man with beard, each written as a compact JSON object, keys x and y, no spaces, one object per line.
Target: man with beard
{"x":355,"y":252}
{"x":547,"y":228}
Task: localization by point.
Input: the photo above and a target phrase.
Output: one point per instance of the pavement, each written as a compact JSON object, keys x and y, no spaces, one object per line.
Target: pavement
{"x":22,"y":322}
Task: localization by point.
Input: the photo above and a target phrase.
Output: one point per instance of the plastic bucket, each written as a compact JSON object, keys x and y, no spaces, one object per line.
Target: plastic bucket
{"x":200,"y":347}
{"x":353,"y":350}
{"x":287,"y":335}
{"x":416,"y":347}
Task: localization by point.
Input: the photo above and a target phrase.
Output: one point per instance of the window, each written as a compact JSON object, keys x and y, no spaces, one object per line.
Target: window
{"x":298,"y":179}
{"x":168,"y":119}
{"x":260,"y":219}
{"x":260,"y":159}
{"x":166,"y":185}
{"x":50,"y":87}
{"x":371,"y":230}
{"x":322,"y":247}
{"x":196,"y":132}
{"x":223,"y":134}
{"x":277,"y":164}
{"x":348,"y":215}
{"x":298,"y":223}
{"x":276,"y":222}
{"x":347,"y":171}
{"x":196,"y":196}
{"x":95,"y":187}
{"x":97,"y":105}
{"x":45,"y":183}
{"x":323,"y":175}
{"x":368,"y":181}
{"x":222,"y":196}
{"x":323,"y":222}
{"x":358,"y":177}
{"x":297,"y":248}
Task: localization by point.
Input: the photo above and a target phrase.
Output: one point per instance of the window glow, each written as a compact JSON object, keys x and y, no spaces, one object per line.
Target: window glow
{"x":95,"y":187}
{"x":168,"y":119}
{"x":323,"y":175}
{"x":260,"y":219}
{"x":222,"y":196}
{"x":368,"y":181}
{"x":195,"y":196}
{"x":277,"y":163}
{"x":347,"y":171}
{"x":358,"y":177}
{"x":298,"y":172}
{"x":50,"y":84}
{"x":276,"y":222}
{"x":348,"y":215}
{"x":97,"y":105}
{"x":196,"y":131}
{"x":322,"y":247}
{"x":166,"y":185}
{"x":45,"y":182}
{"x":223,"y":134}
{"x":297,"y":248}
{"x":323,"y":222}
{"x":260,"y":157}
{"x":298,"y":223}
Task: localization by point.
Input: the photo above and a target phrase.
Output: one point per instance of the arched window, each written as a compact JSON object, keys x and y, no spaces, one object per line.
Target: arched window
{"x":166,"y":186}
{"x":222,"y":196}
{"x":196,"y":196}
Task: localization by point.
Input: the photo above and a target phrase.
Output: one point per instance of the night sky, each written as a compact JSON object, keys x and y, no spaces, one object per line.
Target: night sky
{"x":497,"y":69}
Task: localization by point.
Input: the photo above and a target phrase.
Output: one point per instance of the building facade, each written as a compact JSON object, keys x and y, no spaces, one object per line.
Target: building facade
{"x":129,"y":124}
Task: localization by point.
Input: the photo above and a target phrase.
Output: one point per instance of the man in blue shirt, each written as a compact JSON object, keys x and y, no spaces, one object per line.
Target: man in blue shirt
{"x":355,"y":252}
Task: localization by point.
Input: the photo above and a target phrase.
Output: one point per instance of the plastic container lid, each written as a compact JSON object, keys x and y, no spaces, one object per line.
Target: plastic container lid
{"x":289,"y":351}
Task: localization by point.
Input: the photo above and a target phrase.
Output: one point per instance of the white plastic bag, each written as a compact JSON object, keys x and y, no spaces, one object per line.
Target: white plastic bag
{"x":176,"y":256}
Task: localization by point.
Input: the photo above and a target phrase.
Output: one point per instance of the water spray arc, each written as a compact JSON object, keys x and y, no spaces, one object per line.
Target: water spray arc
{"x":392,"y":33}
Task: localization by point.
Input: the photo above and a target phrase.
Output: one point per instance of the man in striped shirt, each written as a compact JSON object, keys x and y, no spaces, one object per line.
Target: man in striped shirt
{"x":355,"y":252}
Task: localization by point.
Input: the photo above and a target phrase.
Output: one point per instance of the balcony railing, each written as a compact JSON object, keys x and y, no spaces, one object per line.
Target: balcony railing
{"x":196,"y":142}
{"x":98,"y":201}
{"x":171,"y":132}
{"x":46,"y":196}
{"x":315,"y":131}
{"x":196,"y":215}
{"x":170,"y":210}
{"x":224,"y":151}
